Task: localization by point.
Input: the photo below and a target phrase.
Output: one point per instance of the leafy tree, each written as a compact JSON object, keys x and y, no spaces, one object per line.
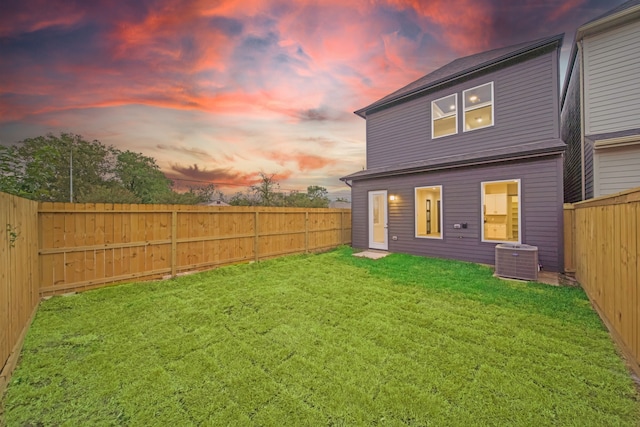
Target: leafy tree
{"x":297,"y":199}
{"x":318,"y":196}
{"x":266,"y":191}
{"x":109,"y":194}
{"x":140,"y":175}
{"x":29,"y":176}
{"x":244,"y":199}
{"x":315,"y":197}
{"x":43,"y":168}
{"x":265,"y":194}
{"x":205,"y":194}
{"x":9,"y":181}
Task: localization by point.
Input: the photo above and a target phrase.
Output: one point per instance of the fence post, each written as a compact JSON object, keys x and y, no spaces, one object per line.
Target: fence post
{"x":306,"y":232}
{"x":255,"y":243}
{"x":174,"y":241}
{"x":342,"y":227}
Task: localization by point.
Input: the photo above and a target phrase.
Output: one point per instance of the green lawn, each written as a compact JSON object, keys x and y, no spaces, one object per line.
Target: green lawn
{"x":323,"y":339}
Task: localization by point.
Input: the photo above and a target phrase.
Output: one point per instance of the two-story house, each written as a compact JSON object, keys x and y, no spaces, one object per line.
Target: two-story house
{"x":466,"y":157}
{"x":600,"y":119}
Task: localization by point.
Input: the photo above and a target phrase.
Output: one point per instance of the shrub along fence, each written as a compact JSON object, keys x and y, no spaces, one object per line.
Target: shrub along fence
{"x":19,"y":291}
{"x":602,"y":249}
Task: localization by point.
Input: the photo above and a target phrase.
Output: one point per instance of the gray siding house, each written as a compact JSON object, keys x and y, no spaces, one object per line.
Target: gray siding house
{"x":466,"y":157}
{"x":600,"y":118}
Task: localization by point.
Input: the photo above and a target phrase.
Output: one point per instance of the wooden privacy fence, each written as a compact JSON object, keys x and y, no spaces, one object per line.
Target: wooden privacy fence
{"x":19,"y":294}
{"x":602,"y":248}
{"x":83,"y":246}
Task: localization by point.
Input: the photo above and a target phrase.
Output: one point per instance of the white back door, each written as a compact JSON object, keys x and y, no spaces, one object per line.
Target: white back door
{"x":378,"y":233}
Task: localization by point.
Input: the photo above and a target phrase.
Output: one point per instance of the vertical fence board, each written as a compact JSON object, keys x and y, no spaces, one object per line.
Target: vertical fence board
{"x":622,"y":273}
{"x":99,"y":244}
{"x":634,"y":276}
{"x":19,"y":276}
{"x":569,"y":238}
{"x":5,"y":280}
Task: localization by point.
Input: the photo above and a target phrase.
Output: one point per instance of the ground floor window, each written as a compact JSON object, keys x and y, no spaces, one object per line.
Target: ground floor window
{"x":501,"y":211}
{"x":429,"y":212}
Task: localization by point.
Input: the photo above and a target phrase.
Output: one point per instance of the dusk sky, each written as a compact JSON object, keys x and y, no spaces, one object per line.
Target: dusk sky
{"x":217,"y":91}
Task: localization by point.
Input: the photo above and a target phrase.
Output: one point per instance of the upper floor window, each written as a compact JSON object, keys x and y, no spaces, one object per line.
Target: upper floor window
{"x":478,"y":107}
{"x":444,"y":116}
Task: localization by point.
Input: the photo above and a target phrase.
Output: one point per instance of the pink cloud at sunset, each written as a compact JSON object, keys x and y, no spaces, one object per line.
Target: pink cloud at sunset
{"x":218,"y":91}
{"x":227,"y":178}
{"x":305,"y":162}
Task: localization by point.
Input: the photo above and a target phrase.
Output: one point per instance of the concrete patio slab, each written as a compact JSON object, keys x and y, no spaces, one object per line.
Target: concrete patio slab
{"x":372,"y":254}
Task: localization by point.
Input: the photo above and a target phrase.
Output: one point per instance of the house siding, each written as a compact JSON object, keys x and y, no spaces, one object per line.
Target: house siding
{"x":588,"y":168}
{"x":571,"y":133}
{"x":525,"y":110}
{"x":617,"y":169}
{"x":541,"y":198}
{"x":612,"y":92}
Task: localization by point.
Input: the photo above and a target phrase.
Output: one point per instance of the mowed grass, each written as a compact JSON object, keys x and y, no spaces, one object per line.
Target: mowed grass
{"x":323,"y":339}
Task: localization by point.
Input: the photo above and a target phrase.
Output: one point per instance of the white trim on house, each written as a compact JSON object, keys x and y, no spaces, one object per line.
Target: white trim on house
{"x":441,"y":210}
{"x":492,"y":103}
{"x":482,"y":213}
{"x":616,"y":142}
{"x":607,"y":22}
{"x":445,"y":114}
{"x":385,"y":221}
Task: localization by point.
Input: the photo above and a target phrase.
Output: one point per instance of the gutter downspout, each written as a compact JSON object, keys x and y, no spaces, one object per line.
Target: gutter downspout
{"x":582,"y":120}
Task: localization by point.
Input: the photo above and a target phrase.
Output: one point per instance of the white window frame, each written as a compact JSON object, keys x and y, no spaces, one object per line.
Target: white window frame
{"x":475,"y":107}
{"x":440,"y":217}
{"x":482,"y":184}
{"x":454,"y":114}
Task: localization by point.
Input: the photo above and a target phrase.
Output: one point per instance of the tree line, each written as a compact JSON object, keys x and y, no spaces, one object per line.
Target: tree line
{"x":68,"y":168}
{"x":267,"y":193}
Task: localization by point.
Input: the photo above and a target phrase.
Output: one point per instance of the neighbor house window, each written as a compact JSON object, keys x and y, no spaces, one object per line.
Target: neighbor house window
{"x":478,"y":107}
{"x":444,"y":116}
{"x":501,"y":211}
{"x":429,"y":212}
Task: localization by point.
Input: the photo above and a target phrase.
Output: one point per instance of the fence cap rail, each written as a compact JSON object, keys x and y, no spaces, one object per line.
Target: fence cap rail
{"x":627,"y":196}
{"x":58,"y":207}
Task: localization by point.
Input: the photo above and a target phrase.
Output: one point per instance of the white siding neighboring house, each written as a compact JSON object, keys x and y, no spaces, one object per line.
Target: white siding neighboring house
{"x":612,"y":78}
{"x":605,"y":61}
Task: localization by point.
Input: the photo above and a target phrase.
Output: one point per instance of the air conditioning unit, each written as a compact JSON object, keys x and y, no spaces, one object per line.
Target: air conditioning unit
{"x":517,"y":261}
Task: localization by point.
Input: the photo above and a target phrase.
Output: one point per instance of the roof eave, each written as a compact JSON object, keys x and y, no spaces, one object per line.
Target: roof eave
{"x":607,"y":22}
{"x":550,"y":151}
{"x":557,"y":39}
{"x":591,"y":28}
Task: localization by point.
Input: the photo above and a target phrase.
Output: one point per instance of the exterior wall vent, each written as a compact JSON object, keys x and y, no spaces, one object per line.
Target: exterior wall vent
{"x":517,"y":261}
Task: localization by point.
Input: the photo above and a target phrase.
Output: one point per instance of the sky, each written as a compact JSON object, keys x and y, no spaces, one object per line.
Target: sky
{"x":219,"y":90}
